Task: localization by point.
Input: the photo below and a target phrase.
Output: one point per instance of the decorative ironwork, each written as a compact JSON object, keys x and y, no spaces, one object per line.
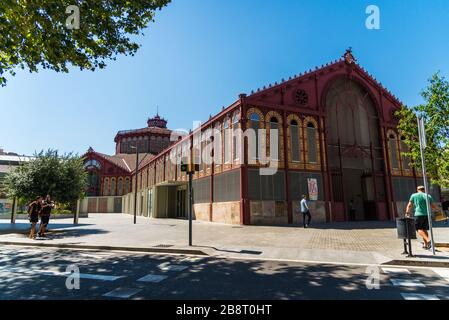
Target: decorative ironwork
{"x":349,"y":57}
{"x":301,"y":97}
{"x":357,"y":152}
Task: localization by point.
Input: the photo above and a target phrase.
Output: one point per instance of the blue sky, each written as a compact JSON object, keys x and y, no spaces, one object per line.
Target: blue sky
{"x":200,"y":54}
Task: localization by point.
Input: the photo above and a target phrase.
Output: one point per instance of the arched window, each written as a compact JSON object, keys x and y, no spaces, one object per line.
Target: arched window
{"x":254,"y":145}
{"x":127,"y":185}
{"x":394,"y":154}
{"x":274,"y":125}
{"x":112,"y":191}
{"x":146,"y":145}
{"x":106,"y":187}
{"x":120,"y":186}
{"x":405,"y":159}
{"x":227,"y":141}
{"x":235,"y":137}
{"x":312,"y":155}
{"x":295,"y":142}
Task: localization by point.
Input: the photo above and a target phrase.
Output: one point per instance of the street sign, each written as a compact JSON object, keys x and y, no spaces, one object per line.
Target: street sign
{"x":422,"y":132}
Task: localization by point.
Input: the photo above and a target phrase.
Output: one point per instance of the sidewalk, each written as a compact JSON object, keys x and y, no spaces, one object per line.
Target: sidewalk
{"x":350,"y":242}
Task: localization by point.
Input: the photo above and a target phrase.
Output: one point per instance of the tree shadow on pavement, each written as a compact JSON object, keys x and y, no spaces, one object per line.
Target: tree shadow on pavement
{"x":206,"y":279}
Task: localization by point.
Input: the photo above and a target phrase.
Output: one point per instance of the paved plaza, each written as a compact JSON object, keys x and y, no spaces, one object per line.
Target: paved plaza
{"x":349,"y":242}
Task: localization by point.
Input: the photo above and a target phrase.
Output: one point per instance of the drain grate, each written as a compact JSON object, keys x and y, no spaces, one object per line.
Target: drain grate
{"x":163,"y":246}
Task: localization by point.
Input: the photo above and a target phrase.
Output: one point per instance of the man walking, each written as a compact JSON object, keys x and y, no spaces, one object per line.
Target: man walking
{"x":418,"y":201}
{"x":305,"y":211}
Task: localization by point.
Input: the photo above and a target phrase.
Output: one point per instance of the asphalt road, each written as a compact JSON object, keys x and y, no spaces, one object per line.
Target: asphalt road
{"x":37,"y":273}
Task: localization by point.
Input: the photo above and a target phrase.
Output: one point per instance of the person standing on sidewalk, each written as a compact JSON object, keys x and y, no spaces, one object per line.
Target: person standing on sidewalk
{"x":445,"y":207}
{"x":305,"y":211}
{"x":34,"y":210}
{"x":45,"y":215}
{"x":418,"y":201}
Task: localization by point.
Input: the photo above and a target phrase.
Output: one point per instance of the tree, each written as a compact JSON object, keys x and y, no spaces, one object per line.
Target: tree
{"x":63,"y":177}
{"x":34,"y":33}
{"x":435,"y":111}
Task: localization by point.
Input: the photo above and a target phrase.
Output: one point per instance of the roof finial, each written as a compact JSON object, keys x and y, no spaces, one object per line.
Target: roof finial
{"x":157,"y":110}
{"x":349,"y":57}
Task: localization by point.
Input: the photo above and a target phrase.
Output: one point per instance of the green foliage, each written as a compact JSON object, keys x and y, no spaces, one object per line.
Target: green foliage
{"x":435,"y":111}
{"x":63,"y":177}
{"x":33,"y":33}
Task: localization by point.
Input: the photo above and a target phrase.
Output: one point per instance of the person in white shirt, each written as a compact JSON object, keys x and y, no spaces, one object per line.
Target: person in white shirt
{"x":305,"y":211}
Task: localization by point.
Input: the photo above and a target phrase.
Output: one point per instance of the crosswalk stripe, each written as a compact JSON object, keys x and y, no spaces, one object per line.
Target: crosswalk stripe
{"x":170,"y":267}
{"x":407,"y":283}
{"x":395,"y":270}
{"x":123,"y":293}
{"x":419,"y":296}
{"x":153,"y":278}
{"x":444,"y":273}
{"x":59,"y":274}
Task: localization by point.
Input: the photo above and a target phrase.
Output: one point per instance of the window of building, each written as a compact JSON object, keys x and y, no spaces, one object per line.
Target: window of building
{"x":227,"y":141}
{"x":295,"y":143}
{"x":127,"y":185}
{"x":312,"y":156}
{"x":393,"y":147}
{"x":235,"y":138}
{"x":120,"y":187}
{"x":405,"y":159}
{"x":274,"y":125}
{"x":106,"y":187}
{"x":254,"y":145}
{"x":113,"y":186}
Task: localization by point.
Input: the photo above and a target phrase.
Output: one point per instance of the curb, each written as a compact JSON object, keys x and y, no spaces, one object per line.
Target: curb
{"x":109,"y":248}
{"x":415,"y":263}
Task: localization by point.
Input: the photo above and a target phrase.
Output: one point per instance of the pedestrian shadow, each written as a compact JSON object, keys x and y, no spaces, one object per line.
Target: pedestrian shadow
{"x":25,"y":226}
{"x":58,"y":231}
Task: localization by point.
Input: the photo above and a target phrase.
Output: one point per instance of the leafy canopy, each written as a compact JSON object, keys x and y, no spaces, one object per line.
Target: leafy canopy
{"x":435,"y":111}
{"x":33,"y":33}
{"x":62,"y":177}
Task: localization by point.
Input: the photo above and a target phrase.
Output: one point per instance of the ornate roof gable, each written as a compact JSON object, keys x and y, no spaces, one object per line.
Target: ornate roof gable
{"x":298,"y":90}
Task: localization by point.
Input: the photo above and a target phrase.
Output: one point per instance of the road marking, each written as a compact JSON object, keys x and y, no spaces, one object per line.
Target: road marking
{"x":418,"y":296}
{"x":192,"y":259}
{"x":395,"y":270}
{"x":123,"y":293}
{"x":97,"y":277}
{"x":443,"y":273}
{"x":407,"y":283}
{"x":152,"y":278}
{"x":171,"y":267}
{"x":59,"y":273}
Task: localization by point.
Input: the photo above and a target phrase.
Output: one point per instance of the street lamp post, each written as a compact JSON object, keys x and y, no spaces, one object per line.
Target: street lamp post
{"x":422,"y":147}
{"x":135,"y":184}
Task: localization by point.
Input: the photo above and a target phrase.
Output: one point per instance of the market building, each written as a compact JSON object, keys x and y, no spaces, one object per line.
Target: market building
{"x":336,"y":140}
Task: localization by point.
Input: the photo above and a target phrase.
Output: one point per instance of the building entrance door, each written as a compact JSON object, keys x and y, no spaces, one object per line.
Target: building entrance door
{"x":181,"y":203}
{"x":354,"y":154}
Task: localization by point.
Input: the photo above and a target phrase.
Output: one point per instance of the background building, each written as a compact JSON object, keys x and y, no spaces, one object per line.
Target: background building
{"x":337,"y":135}
{"x":8,"y":160}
